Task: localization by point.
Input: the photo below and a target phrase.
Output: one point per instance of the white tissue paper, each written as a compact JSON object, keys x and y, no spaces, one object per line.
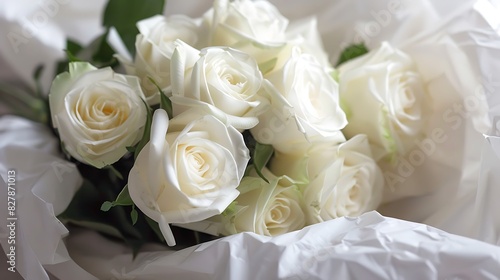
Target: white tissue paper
{"x":44,"y":185}
{"x":454,"y":188}
{"x":368,"y":247}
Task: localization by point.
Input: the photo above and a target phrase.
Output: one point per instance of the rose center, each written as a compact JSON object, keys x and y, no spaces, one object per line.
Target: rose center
{"x":354,"y":193}
{"x":108,"y":110}
{"x":200,"y":164}
{"x":197,"y":161}
{"x":280,"y":212}
{"x":233,"y":80}
{"x":97,"y":111}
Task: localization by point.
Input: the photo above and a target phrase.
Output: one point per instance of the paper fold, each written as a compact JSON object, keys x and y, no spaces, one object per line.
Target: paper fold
{"x":44,"y":185}
{"x":368,"y":247}
{"x":456,"y":189}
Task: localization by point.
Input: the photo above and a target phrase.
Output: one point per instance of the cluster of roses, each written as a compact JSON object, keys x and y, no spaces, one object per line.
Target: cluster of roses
{"x":242,"y":67}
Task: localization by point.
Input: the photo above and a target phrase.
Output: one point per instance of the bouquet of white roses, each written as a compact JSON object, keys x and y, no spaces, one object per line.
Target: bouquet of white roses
{"x":204,"y":97}
{"x":240,"y":121}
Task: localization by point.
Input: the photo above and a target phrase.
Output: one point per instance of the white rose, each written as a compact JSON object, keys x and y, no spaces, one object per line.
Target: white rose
{"x":154,"y":48}
{"x":343,"y":180}
{"x":385,"y":99}
{"x":267,"y":208}
{"x":305,"y":105}
{"x":304,"y":34}
{"x":97,"y":112}
{"x":255,"y":27}
{"x":221,"y":81}
{"x":188,"y":171}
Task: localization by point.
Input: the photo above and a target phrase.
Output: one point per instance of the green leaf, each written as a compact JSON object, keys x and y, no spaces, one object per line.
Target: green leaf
{"x":262,"y":154}
{"x":250,"y":143}
{"x":24,"y":103}
{"x":130,"y":149}
{"x":106,"y":206}
{"x":84,"y":210}
{"x":124,"y":14}
{"x":136,"y":246}
{"x":352,"y":52}
{"x":147,"y":131}
{"x":166,"y":105}
{"x":165,"y":102}
{"x":103,"y":54}
{"x":73,"y":46}
{"x":98,"y":53}
{"x":71,"y":56}
{"x":231,"y":209}
{"x":123,"y":198}
{"x":127,"y":223}
{"x":267,"y":66}
{"x":38,"y":85}
{"x":134,"y":215}
{"x":97,"y":226}
{"x":155,"y":227}
{"x":62,"y":66}
{"x":114,"y":171}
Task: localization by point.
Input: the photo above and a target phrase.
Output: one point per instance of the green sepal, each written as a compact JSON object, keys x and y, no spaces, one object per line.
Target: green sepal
{"x":268,"y":66}
{"x":71,"y":57}
{"x":134,"y":215}
{"x":351,"y":52}
{"x":165,"y":102}
{"x":147,"y":131}
{"x":124,"y":14}
{"x":262,"y":155}
{"x":155,"y":227}
{"x":123,"y":199}
{"x":114,"y":171}
{"x":24,"y":103}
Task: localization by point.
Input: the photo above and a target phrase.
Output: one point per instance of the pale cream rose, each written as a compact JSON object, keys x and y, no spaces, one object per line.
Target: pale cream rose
{"x":220,"y":81}
{"x":304,"y":105}
{"x":304,"y":34}
{"x":385,"y":98}
{"x":266,"y":208}
{"x":254,"y":27}
{"x":154,"y":48}
{"x":97,"y":113}
{"x":188,"y":171}
{"x":341,"y":180}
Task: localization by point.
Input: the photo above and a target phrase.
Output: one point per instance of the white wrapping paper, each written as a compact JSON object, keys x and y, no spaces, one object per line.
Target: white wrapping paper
{"x":455,"y":45}
{"x":44,"y":185}
{"x":368,"y":247}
